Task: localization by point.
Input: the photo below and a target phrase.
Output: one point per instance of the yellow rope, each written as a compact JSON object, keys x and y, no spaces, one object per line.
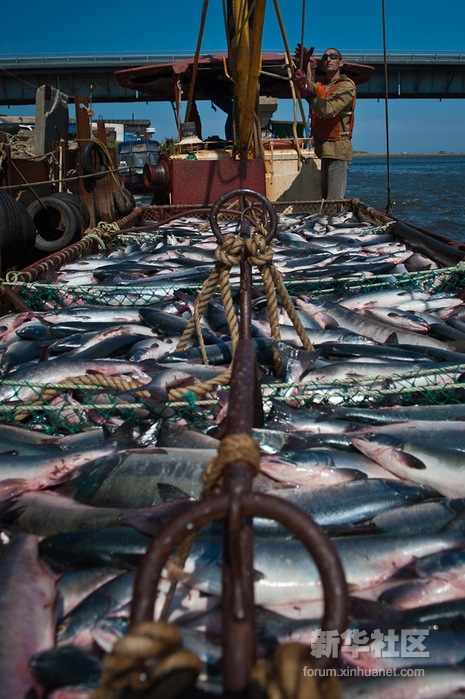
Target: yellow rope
{"x":48,"y":392}
{"x":148,"y":661}
{"x":228,"y":254}
{"x":234,"y":447}
{"x":289,"y":674}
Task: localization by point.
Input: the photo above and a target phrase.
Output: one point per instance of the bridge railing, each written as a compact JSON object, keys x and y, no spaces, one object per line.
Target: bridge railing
{"x":369,"y":56}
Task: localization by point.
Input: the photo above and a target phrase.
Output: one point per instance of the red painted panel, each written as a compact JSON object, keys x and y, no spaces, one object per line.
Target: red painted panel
{"x":204,"y":181}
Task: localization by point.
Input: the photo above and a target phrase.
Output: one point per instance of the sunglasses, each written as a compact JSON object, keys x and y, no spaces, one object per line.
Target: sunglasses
{"x":332,"y":56}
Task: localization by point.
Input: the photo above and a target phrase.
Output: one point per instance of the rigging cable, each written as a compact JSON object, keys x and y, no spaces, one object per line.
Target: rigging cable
{"x":386,"y":99}
{"x":302,"y":37}
{"x":290,"y":72}
{"x":196,"y":61}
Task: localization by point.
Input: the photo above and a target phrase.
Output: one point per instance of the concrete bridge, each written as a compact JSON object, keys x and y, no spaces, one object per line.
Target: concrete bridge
{"x":410,"y":75}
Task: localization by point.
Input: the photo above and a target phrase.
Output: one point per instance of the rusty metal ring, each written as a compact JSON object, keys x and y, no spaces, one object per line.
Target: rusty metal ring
{"x":269,"y":218}
{"x":315,"y":540}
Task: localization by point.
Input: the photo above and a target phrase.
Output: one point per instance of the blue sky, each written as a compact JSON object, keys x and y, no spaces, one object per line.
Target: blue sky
{"x":416,"y":125}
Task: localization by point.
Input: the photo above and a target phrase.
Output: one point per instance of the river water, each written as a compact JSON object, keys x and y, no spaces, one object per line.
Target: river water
{"x":427,"y":190}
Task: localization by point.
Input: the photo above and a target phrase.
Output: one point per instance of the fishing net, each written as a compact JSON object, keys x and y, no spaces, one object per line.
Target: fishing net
{"x":73,"y":406}
{"x":79,"y":403}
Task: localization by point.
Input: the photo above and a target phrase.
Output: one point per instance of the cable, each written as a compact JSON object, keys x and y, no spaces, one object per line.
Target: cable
{"x":386,"y":99}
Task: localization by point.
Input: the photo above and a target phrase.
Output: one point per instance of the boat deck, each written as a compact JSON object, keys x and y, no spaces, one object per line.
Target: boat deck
{"x":356,"y":329}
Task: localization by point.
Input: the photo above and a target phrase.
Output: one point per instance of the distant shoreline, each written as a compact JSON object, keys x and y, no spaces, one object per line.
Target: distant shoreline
{"x":362,"y":154}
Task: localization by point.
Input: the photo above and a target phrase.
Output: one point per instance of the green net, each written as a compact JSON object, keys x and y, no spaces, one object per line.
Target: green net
{"x":75,"y":405}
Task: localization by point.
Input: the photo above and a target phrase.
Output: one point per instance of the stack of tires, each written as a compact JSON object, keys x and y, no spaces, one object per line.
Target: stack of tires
{"x":17,"y":234}
{"x":59,"y":220}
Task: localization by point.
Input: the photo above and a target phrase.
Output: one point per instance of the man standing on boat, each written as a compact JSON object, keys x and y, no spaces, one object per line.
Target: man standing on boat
{"x":332,"y":104}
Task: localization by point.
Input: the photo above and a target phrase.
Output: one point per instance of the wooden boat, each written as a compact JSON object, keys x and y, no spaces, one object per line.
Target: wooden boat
{"x":133,"y":156}
{"x":73,"y":404}
{"x":56,"y":189}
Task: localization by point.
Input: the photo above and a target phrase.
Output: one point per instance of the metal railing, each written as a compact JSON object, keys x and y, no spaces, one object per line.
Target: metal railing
{"x":124,"y":58}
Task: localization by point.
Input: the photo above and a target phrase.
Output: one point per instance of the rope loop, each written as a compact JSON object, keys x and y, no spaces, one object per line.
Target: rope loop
{"x":260,"y":253}
{"x":290,"y":674}
{"x":148,"y":661}
{"x":233,"y":447}
{"x":229,"y":253}
{"x":101,"y":233}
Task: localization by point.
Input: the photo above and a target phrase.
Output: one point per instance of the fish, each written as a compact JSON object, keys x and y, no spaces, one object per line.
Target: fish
{"x":295,"y":360}
{"x":75,"y":627}
{"x":284,"y":564}
{"x":427,"y":433}
{"x":142,"y":477}
{"x":74,"y":585}
{"x":317,"y":467}
{"x":441,"y":469}
{"x":431,"y":579}
{"x":53,"y":372}
{"x":438,"y":682}
{"x":337,"y":507}
{"x":46,"y":512}
{"x":38,"y":471}
{"x":390,"y":297}
{"x":115,"y":547}
{"x":405,"y":320}
{"x":65,"y":666}
{"x":418,"y":518}
{"x":395,"y":414}
{"x":28,"y":608}
{"x":123,"y":314}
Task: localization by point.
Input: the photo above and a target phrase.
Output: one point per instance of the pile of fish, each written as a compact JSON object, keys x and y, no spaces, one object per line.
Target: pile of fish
{"x":363,"y":432}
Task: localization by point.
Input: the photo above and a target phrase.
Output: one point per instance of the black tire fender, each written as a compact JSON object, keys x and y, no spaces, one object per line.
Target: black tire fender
{"x":56,"y":223}
{"x":77,"y":203}
{"x":17,"y":233}
{"x":123,"y":201}
{"x":94,"y":159}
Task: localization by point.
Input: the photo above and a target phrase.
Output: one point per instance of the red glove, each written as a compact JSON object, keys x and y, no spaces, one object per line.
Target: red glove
{"x":300,"y":81}
{"x":302,"y":56}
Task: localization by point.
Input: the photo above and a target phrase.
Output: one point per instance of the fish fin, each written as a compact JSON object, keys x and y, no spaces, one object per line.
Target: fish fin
{"x":150,"y":520}
{"x":411,"y":461}
{"x":11,"y":487}
{"x":123,"y":435}
{"x":170,"y":492}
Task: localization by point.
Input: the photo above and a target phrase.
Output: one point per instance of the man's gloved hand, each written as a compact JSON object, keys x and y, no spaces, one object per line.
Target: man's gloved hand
{"x":300,"y":81}
{"x":304,"y":58}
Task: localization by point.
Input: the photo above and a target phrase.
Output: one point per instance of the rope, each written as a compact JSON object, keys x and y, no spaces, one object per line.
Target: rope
{"x":101,"y":233}
{"x":228,"y":255}
{"x":288,"y":674}
{"x":117,"y":383}
{"x":386,"y":110}
{"x":233,"y":447}
{"x":196,"y":60}
{"x":148,"y":661}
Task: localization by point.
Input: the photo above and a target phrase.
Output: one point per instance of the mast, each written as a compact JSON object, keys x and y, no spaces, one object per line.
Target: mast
{"x":245,"y":29}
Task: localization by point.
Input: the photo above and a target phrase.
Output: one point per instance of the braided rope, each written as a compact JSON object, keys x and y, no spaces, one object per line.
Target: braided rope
{"x":228,"y":255}
{"x":288,"y":674}
{"x":48,"y":392}
{"x":148,"y":661}
{"x":234,"y":447}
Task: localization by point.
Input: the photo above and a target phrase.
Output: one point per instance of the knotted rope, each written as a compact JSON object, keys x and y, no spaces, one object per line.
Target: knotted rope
{"x":234,"y":447}
{"x":148,"y":661}
{"x":289,"y":674}
{"x":228,"y":255}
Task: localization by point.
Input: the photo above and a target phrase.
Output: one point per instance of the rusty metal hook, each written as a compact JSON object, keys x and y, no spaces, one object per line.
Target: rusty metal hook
{"x":237,"y":505}
{"x":252,"y":206}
